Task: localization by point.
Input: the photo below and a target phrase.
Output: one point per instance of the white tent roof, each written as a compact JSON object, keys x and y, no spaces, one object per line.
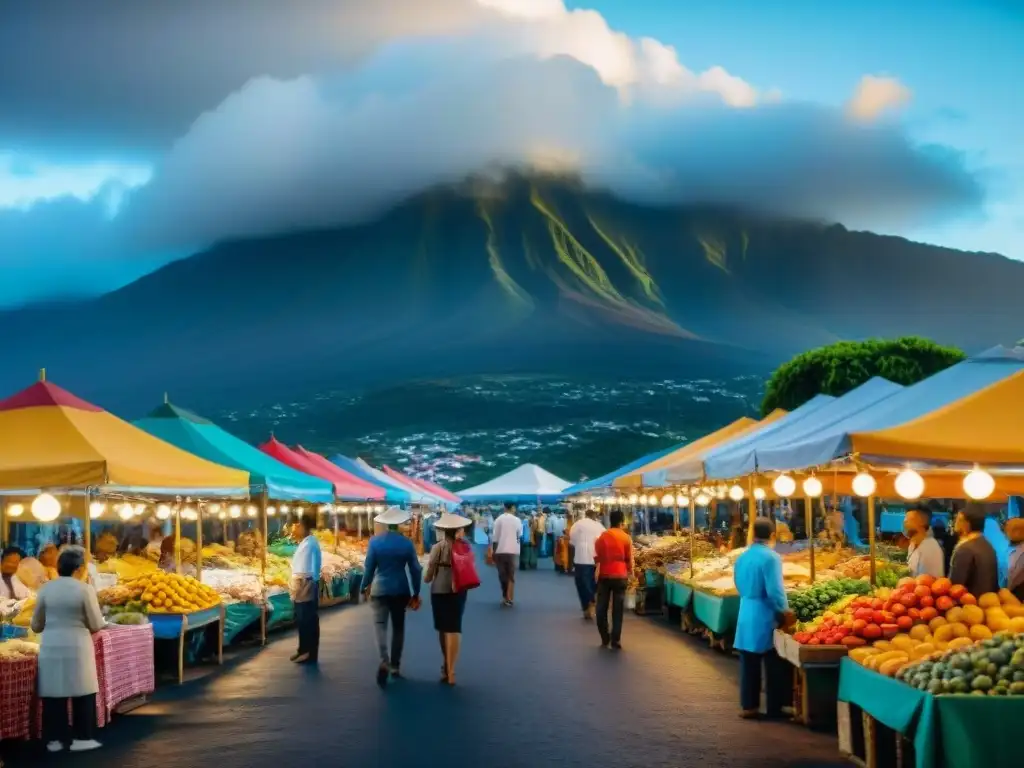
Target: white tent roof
{"x":523,"y":483}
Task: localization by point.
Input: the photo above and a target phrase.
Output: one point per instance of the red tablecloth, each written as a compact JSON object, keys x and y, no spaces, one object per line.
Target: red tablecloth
{"x":17,"y":691}
{"x":124,"y":669}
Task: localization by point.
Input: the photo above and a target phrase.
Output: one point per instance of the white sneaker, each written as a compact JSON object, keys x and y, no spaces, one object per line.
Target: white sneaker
{"x":84,"y":746}
{"x":54,"y":746}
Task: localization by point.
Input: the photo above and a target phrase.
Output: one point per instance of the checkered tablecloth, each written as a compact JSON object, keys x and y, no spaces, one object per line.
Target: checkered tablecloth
{"x":124,"y":665}
{"x":124,"y":669}
{"x":17,"y":692}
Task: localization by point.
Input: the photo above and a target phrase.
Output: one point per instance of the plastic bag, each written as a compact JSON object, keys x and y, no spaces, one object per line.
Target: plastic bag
{"x":464,"y":575}
{"x":630,"y":599}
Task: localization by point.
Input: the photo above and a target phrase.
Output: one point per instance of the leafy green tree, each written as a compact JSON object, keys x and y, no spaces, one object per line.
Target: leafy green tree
{"x":838,"y":368}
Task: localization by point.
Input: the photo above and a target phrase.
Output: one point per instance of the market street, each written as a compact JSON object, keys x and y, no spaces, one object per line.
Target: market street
{"x":534,"y":688}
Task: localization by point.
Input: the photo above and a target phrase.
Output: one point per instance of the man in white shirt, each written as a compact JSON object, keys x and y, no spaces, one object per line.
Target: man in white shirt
{"x":11,"y":587}
{"x":306,"y":564}
{"x":582,"y":537}
{"x":925,"y":554}
{"x":505,"y":537}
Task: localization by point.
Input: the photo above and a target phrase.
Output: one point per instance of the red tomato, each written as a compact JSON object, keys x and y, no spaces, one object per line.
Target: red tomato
{"x":890,"y":630}
{"x":872,"y":632}
{"x":925,"y":579}
{"x":941,"y":587}
{"x":909,"y":600}
{"x":814,"y":641}
{"x":877,"y":604}
{"x":922,"y":591}
{"x":957,"y":591}
{"x":854,"y":641}
{"x":878,"y":617}
{"x":915,"y":614}
{"x":864,"y":614}
{"x":926,"y":602}
{"x":898,"y":609}
{"x":944,"y":603}
{"x":906,"y":581}
{"x":905,"y":623}
{"x":968,"y":599}
{"x":858,"y":626}
{"x":929,"y":613}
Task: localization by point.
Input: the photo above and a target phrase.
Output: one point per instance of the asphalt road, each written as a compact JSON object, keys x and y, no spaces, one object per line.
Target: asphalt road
{"x":534,"y":689}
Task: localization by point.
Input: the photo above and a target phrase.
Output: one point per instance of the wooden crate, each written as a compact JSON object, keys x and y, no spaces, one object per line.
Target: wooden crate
{"x":870,"y":744}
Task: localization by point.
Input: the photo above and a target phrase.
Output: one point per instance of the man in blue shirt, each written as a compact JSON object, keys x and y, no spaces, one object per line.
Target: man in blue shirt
{"x":763,"y":605}
{"x":391,"y":557}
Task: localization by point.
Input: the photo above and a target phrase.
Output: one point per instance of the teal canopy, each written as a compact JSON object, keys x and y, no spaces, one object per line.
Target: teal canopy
{"x":205,"y":439}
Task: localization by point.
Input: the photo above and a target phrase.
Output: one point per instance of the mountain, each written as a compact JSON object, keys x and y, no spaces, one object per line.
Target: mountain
{"x":531,"y":274}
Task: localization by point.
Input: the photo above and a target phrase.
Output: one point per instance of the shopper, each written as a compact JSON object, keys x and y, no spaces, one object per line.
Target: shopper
{"x":974,"y":564}
{"x":925,"y":553}
{"x":67,"y":614}
{"x":391,"y":557}
{"x":446,"y":604}
{"x":306,"y":563}
{"x":11,"y":586}
{"x":763,"y":605}
{"x":525,"y":542}
{"x":583,"y":537}
{"x":1015,"y":572}
{"x":505,"y":536}
{"x":613,"y":555}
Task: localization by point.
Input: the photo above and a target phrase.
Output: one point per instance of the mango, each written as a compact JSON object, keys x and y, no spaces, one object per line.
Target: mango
{"x":973,"y":614}
{"x":989,"y":600}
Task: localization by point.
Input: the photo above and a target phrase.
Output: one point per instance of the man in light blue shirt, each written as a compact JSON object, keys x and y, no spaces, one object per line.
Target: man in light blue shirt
{"x":763,"y":603}
{"x":306,"y":564}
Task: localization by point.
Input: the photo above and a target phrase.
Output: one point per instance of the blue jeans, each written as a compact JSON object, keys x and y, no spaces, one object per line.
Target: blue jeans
{"x":586,"y":585}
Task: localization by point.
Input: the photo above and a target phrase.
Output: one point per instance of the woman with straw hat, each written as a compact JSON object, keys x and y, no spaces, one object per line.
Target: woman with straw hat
{"x":391,"y":557}
{"x":446,"y":604}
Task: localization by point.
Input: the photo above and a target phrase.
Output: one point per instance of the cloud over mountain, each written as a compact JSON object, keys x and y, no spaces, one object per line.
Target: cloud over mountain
{"x":259,"y":118}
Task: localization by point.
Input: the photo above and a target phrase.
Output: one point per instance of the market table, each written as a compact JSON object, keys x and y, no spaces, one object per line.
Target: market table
{"x":678,"y":594}
{"x":815,"y":679}
{"x":947,"y":731}
{"x":238,"y":617}
{"x":718,"y":614}
{"x":17,"y":691}
{"x":281,"y":610}
{"x":124,"y":666}
{"x":175,"y":626}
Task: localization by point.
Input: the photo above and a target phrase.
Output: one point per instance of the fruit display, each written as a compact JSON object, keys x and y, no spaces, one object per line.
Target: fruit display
{"x":121,"y":594}
{"x":816,"y":599}
{"x":171,"y":593}
{"x":659,"y":551}
{"x":234,"y":586}
{"x":128,"y":618}
{"x":991,"y":667}
{"x":127,"y":567}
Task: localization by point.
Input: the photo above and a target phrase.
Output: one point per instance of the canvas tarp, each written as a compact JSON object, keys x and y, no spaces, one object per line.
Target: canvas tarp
{"x":393,"y":492}
{"x":740,"y":458}
{"x":908,"y":404}
{"x":343,"y":489}
{"x":54,"y":440}
{"x":523,"y":484}
{"x":986,"y":427}
{"x":605,"y":481}
{"x":655,"y":469}
{"x":355,"y":488}
{"x":432,"y":488}
{"x":203,"y":438}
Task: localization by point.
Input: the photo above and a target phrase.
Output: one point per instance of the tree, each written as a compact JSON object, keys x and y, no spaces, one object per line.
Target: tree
{"x":838,"y":368}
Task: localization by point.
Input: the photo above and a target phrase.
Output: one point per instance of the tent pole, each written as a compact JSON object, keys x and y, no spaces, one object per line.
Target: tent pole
{"x":199,"y":542}
{"x":263,"y":564}
{"x":871,"y":538}
{"x":87,"y":527}
{"x":693,"y":529}
{"x":809,"y":523}
{"x":675,"y":512}
{"x":752,"y":508}
{"x":177,"y":542}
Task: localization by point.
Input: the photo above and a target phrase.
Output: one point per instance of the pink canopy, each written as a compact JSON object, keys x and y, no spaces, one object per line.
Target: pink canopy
{"x":426,"y":485}
{"x":346,"y":486}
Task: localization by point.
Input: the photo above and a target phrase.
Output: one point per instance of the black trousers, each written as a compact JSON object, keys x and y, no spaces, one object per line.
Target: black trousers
{"x":776,"y":682}
{"x":610,"y":591}
{"x":83,"y":717}
{"x":307,"y":617}
{"x":385,"y":608}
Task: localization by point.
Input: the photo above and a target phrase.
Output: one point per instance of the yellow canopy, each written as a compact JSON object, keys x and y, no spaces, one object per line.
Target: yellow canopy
{"x":50,"y":439}
{"x":986,"y":427}
{"x":731,"y":431}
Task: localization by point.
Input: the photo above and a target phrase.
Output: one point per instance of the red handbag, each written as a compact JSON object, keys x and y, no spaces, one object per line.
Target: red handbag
{"x":464,"y":575}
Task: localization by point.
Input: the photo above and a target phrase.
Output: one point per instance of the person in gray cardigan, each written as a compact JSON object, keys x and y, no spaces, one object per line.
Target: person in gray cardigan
{"x":67,"y":614}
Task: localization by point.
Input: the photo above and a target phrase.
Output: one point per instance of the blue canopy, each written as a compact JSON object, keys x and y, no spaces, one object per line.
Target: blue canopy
{"x":203,"y":438}
{"x":393,"y":493}
{"x":741,"y":460}
{"x":692,"y":469}
{"x":909,"y":403}
{"x":605,"y":481}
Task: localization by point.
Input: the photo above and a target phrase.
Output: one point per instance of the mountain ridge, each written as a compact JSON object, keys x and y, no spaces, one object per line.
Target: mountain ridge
{"x":529,"y":274}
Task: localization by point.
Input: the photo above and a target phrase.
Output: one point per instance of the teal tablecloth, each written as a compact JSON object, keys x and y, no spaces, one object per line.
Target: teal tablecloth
{"x":678,"y":594}
{"x":281,"y":610}
{"x":238,"y":617}
{"x":949,"y":731}
{"x":718,"y":614}
{"x":653,"y":579}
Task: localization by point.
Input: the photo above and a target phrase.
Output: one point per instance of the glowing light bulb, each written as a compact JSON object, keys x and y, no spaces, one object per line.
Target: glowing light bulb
{"x":979,"y":484}
{"x":909,"y":484}
{"x":759,"y":494}
{"x":812,"y":487}
{"x":16,"y":510}
{"x":736,"y":493}
{"x":96,"y":509}
{"x":864,"y":485}
{"x":784,"y":486}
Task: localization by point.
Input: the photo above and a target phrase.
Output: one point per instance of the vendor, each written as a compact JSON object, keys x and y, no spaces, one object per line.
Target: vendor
{"x":1015,"y":573}
{"x":924,"y":556}
{"x":11,"y":586}
{"x":48,"y":559}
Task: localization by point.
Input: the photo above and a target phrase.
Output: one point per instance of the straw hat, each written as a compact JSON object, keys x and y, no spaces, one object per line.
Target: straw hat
{"x":449,"y":520}
{"x":392,"y":516}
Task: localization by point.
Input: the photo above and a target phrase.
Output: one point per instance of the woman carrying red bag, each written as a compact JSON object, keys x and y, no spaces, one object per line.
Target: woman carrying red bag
{"x":451,"y":573}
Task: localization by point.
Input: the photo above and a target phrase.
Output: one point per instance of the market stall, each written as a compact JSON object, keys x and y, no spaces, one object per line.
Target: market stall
{"x":270,"y":481}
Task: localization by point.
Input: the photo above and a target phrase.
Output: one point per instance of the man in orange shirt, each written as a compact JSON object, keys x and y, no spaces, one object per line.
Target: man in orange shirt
{"x":613,"y":555}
